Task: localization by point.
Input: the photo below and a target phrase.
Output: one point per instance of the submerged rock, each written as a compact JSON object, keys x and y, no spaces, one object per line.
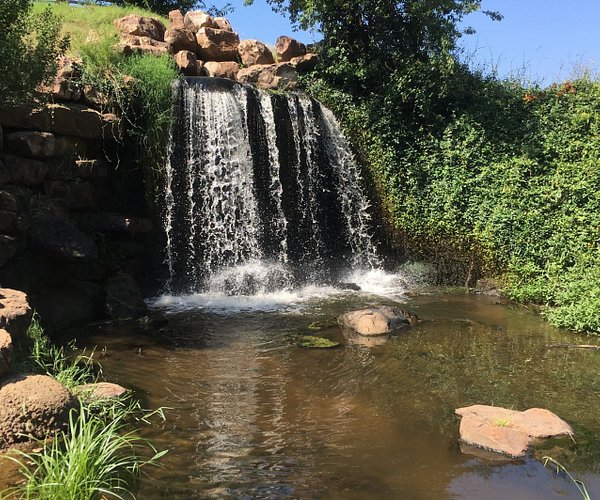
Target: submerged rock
{"x":378,"y":320}
{"x":508,"y":431}
{"x":100,"y":391}
{"x":32,"y":406}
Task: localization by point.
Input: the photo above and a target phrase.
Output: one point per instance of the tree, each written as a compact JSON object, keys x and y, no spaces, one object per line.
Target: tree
{"x":164,"y":6}
{"x":29,"y":48}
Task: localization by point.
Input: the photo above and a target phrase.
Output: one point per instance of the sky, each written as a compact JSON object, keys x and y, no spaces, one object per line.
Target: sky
{"x":540,"y":40}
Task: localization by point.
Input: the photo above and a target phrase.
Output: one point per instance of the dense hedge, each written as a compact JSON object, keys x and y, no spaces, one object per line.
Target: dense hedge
{"x":507,"y":184}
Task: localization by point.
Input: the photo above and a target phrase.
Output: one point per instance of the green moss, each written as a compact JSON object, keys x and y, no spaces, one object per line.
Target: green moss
{"x":316,"y":342}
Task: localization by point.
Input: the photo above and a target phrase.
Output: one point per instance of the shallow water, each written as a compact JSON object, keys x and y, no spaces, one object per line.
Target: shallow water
{"x":255,"y":416}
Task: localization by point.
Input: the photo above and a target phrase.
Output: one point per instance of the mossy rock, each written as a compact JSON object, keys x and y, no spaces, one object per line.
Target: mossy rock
{"x":316,"y":342}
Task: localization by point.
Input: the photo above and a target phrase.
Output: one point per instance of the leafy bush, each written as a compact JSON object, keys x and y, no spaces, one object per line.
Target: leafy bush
{"x":30,"y":45}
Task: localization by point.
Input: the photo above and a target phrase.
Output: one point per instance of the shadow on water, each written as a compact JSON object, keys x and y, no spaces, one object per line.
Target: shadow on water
{"x":255,"y":416}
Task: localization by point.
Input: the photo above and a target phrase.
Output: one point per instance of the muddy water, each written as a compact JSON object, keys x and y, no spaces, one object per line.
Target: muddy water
{"x":254,"y":416}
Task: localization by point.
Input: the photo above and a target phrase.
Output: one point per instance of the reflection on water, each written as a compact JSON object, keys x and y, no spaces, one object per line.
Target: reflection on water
{"x":255,"y":416}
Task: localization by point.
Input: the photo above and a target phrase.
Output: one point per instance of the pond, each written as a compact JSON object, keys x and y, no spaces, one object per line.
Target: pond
{"x":254,"y":415}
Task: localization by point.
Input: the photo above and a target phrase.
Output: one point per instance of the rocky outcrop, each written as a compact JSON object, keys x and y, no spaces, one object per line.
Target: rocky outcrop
{"x":33,"y":406}
{"x":274,"y":76}
{"x":135,"y":25}
{"x":254,"y":52}
{"x":217,"y":45}
{"x":198,"y":19}
{"x":35,"y":144}
{"x":288,"y":48}
{"x":227,"y":69}
{"x":24,"y":171}
{"x":178,"y":39}
{"x":223,"y":24}
{"x":508,"y":431}
{"x":379,"y":320}
{"x":187,"y":62}
{"x":176,"y":19}
{"x":305,"y":63}
{"x":142,"y":45}
{"x":100,"y":391}
{"x":6,"y":353}
{"x":15,"y":312}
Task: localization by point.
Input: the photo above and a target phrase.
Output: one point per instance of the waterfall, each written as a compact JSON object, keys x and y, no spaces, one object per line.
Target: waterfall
{"x":262,"y":193}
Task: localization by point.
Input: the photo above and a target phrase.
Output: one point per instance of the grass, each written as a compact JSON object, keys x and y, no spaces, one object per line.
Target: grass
{"x":99,"y":455}
{"x":502,"y":422}
{"x":561,"y":468}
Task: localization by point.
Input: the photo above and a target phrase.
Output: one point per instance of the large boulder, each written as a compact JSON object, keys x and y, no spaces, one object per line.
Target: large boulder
{"x":59,"y":238}
{"x":379,"y":320}
{"x":226,"y":69}
{"x":305,"y":63}
{"x":217,"y":45}
{"x":140,"y":45}
{"x":508,"y":431}
{"x":176,"y":19}
{"x":70,"y":119}
{"x":180,"y":39}
{"x":187,"y":62}
{"x":33,"y":406}
{"x":24,"y":171}
{"x":123,"y":297}
{"x":6,"y":353}
{"x":254,"y":52}
{"x":15,"y":313}
{"x":223,"y":24}
{"x":133,"y":24}
{"x":270,"y":77}
{"x":288,"y":47}
{"x":197,"y":19}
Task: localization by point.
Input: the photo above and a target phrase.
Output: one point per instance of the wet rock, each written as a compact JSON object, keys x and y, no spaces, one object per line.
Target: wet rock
{"x":103,"y":222}
{"x":223,"y":24}
{"x":68,"y":119}
{"x":187,"y":62}
{"x":378,"y":320}
{"x":59,"y":238}
{"x":254,"y":52}
{"x":71,"y":195}
{"x":270,"y":77}
{"x":6,"y":353}
{"x":217,"y":45}
{"x":288,"y":47}
{"x":123,"y":297}
{"x":15,"y":312}
{"x":25,"y":171}
{"x":180,"y":39}
{"x":508,"y":431}
{"x":133,"y":24}
{"x":32,"y":406}
{"x":355,"y":338}
{"x":100,"y":391}
{"x":198,"y":19}
{"x":176,"y":19}
{"x":305,"y":63}
{"x":342,"y":285}
{"x":227,"y":69}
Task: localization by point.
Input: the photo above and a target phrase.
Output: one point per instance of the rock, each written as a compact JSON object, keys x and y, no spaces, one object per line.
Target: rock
{"x":66,"y":85}
{"x":69,"y":119}
{"x":4,"y":173}
{"x":187,"y":62}
{"x":123,"y":297}
{"x":142,"y":45}
{"x":13,"y":222}
{"x":6,"y":353}
{"x":95,"y":97}
{"x":100,"y":391}
{"x":8,"y":248}
{"x":227,"y":69}
{"x":71,"y":195}
{"x":176,"y":19}
{"x":59,"y":238}
{"x":378,"y":320}
{"x":91,"y":169}
{"x":343,"y":285}
{"x":25,"y":171}
{"x":15,"y":313}
{"x":70,"y":304}
{"x":273,"y":76}
{"x":8,"y":201}
{"x":508,"y":431}
{"x":223,"y":24}
{"x":34,"y":144}
{"x":180,"y":39}
{"x":103,"y":222}
{"x":217,"y":45}
{"x":287,"y":48}
{"x":254,"y":52}
{"x":34,"y":406}
{"x":305,"y":63}
{"x":200,"y":69}
{"x":141,"y":26}
{"x":198,"y":19}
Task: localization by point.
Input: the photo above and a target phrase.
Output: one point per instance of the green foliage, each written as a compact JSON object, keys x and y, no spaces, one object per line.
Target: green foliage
{"x":316,"y":342}
{"x":30,"y":45}
{"x":95,"y":458}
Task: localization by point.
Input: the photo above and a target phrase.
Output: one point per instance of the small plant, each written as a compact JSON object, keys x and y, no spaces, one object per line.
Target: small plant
{"x":502,"y":422}
{"x":561,"y":468}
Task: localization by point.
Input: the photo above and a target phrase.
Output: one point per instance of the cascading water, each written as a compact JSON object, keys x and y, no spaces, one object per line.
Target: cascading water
{"x":263,"y":193}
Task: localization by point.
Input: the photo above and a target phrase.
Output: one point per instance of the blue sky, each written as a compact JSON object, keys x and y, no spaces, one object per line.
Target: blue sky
{"x":540,"y":40}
